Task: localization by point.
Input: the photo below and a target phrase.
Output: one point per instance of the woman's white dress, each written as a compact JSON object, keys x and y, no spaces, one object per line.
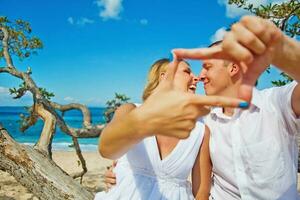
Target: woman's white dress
{"x":142,"y":175}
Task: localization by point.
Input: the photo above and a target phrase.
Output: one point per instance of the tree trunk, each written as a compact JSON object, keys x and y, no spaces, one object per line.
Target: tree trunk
{"x":44,"y":143}
{"x":37,"y":172}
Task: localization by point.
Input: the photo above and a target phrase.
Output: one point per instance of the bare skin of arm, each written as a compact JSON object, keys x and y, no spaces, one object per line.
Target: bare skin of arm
{"x":113,"y":140}
{"x":201,"y":173}
{"x":288,"y":60}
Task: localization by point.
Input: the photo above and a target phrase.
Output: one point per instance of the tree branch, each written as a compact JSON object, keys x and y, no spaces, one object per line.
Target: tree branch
{"x":44,"y":143}
{"x":93,"y":131}
{"x":6,"y":54}
{"x":3,"y":69}
{"x":88,"y":131}
{"x":85,"y":111}
{"x":30,"y":120}
{"x":82,"y":161}
{"x":287,"y":18}
{"x":11,"y":70}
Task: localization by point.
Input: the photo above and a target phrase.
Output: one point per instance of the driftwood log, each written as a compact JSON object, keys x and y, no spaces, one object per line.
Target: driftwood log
{"x":37,"y":172}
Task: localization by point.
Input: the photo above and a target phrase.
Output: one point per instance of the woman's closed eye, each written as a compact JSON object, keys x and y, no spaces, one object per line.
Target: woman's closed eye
{"x":188,"y":71}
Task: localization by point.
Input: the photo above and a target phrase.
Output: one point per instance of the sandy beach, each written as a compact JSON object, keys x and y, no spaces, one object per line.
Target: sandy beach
{"x":10,"y":189}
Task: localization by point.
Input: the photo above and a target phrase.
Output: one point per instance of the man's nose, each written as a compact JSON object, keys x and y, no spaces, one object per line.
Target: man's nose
{"x":202,"y":76}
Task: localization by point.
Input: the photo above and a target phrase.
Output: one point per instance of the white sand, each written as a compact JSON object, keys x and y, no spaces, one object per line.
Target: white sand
{"x":10,"y":189}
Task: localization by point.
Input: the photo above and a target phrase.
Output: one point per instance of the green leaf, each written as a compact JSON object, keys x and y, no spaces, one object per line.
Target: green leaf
{"x":21,"y":43}
{"x":277,"y":12}
{"x":113,"y":104}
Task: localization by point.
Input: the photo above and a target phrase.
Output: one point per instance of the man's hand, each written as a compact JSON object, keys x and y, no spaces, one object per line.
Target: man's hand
{"x":110,"y":177}
{"x":253,"y":43}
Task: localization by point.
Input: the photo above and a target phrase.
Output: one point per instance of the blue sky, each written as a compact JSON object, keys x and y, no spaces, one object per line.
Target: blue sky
{"x":94,"y":48}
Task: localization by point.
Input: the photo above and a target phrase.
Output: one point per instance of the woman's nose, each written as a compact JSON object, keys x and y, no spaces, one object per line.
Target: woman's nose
{"x":196,"y":79}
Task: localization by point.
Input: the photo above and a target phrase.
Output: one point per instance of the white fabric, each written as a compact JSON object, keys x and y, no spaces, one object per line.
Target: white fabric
{"x":142,"y":175}
{"x":255,"y":152}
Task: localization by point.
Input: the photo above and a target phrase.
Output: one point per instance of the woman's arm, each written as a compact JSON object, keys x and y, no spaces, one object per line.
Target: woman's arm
{"x":120,"y":134}
{"x":196,"y":175}
{"x":201,"y":174}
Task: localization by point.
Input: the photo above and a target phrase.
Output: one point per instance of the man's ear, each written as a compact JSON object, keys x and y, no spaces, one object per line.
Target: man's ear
{"x":233,"y":69}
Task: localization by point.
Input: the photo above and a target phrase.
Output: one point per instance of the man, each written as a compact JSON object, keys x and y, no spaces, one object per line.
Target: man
{"x":254,"y":152}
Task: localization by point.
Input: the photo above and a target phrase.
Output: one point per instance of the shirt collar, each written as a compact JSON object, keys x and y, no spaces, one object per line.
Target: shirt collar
{"x":255,"y":102}
{"x":256,"y":98}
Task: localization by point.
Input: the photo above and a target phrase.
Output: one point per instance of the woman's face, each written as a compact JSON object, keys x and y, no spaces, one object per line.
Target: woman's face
{"x":184,"y":79}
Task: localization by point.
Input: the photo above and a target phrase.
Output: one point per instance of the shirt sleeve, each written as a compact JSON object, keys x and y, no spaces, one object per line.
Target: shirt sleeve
{"x":282,"y":102}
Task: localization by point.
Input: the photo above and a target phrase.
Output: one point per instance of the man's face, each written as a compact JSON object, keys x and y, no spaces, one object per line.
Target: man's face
{"x":215,"y":77}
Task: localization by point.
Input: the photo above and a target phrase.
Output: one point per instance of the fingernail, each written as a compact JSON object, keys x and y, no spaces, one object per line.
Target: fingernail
{"x":171,"y":57}
{"x":244,"y":105}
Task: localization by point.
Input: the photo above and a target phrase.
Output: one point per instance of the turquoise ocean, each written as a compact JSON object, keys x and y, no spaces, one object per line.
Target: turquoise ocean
{"x":10,"y":117}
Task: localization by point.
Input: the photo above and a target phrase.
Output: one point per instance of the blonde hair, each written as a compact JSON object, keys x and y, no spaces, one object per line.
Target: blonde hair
{"x":159,"y":67}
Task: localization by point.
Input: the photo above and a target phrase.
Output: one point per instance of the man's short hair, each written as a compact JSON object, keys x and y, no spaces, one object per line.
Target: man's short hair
{"x":215,"y":43}
{"x":226,"y":63}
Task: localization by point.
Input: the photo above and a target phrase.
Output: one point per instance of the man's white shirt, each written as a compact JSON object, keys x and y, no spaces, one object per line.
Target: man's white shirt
{"x":255,"y":151}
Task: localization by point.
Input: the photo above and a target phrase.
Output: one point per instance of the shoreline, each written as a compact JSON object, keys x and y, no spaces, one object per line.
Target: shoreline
{"x":67,"y":146}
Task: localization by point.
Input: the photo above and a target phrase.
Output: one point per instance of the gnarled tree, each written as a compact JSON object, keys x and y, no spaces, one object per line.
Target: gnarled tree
{"x":33,"y":167}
